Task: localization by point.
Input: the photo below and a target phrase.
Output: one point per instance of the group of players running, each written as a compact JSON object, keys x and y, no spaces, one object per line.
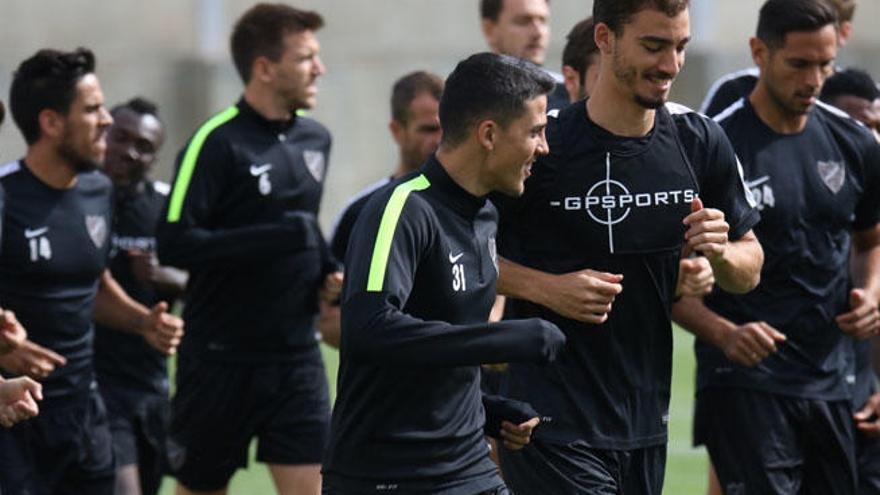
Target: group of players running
{"x":600,"y":210}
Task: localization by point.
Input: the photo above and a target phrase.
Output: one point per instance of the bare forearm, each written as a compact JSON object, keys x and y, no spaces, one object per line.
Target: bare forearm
{"x":520,"y":282}
{"x":170,"y":281}
{"x":692,"y":315}
{"x":115,"y":309}
{"x":739,"y":270}
{"x":866,"y":269}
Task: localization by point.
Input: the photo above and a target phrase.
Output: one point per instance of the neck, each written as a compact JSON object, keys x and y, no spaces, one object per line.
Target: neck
{"x":403,"y":169}
{"x":266,"y":103}
{"x":773,"y":114}
{"x":617,"y":112}
{"x":44,"y":162}
{"x":463,"y":164}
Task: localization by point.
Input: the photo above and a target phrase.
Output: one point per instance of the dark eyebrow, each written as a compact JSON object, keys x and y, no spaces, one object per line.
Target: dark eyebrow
{"x":662,"y":41}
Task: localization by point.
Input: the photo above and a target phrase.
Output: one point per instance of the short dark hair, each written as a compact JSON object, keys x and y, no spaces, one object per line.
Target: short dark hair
{"x":580,"y":46}
{"x":138,"y":105}
{"x":780,"y":17}
{"x":408,"y":87}
{"x":488,"y":86}
{"x":846,"y":9}
{"x":491,"y":9}
{"x":850,"y":82}
{"x":260,"y":32}
{"x":617,"y":13}
{"x":46,"y":81}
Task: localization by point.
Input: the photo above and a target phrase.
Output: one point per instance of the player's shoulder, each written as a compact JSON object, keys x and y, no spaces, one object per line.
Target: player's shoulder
{"x":308,"y":127}
{"x":729,"y":88}
{"x":690,"y":122}
{"x":846,"y":129}
{"x":93,"y":181}
{"x":9,"y":170}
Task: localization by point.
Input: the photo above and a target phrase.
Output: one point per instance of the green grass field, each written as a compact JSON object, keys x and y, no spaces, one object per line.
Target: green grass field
{"x":685,"y":467}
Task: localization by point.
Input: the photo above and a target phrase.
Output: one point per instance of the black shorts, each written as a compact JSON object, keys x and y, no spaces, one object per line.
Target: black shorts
{"x":868,"y":460}
{"x":65,"y":450}
{"x":762,"y":443}
{"x":576,"y":469}
{"x":220,"y":407}
{"x":139,"y":423}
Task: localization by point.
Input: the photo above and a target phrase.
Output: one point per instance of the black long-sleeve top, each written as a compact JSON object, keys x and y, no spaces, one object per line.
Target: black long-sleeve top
{"x":420,"y":282}
{"x":241,"y":218}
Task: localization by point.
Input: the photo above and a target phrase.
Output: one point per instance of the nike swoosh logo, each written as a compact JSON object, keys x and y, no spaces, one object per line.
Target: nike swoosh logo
{"x":757,"y":182}
{"x":257,"y":170}
{"x":453,"y":259}
{"x":36,"y":232}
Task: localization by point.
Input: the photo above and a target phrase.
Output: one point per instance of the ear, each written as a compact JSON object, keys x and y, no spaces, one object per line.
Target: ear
{"x":760,"y":52}
{"x":603,"y":36}
{"x":844,"y":32}
{"x":488,"y":28}
{"x":572,"y":81}
{"x":52,"y":123}
{"x":396,"y":129}
{"x":487,"y":131}
{"x":262,"y":70}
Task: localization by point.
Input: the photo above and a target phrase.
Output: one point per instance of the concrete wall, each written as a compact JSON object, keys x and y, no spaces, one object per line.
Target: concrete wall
{"x":175,"y":52}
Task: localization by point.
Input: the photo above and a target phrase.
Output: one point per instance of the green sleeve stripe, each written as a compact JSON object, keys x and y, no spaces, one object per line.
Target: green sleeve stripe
{"x":184,"y":175}
{"x":393,"y":209}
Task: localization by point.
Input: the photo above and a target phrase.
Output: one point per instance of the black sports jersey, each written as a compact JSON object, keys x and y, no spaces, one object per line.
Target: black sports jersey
{"x":242,"y":218}
{"x":55,"y":246}
{"x":348,"y":217}
{"x":124,"y":359}
{"x":728,"y":89}
{"x":813,"y":189}
{"x":616,"y":204}
{"x":865,"y":377}
{"x":420,"y":282}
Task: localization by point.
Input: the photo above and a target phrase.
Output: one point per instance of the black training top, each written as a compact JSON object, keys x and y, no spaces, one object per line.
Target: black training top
{"x":242,"y":218}
{"x":728,"y":89}
{"x":348,"y":217}
{"x":55,"y":246}
{"x":813,"y":188}
{"x":420,"y":282}
{"x":616,"y":204}
{"x":123,"y":359}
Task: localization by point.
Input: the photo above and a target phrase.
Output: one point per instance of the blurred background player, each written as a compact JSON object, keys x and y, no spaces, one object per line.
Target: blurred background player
{"x":242,"y":219}
{"x":132,"y":376}
{"x":520,"y":28}
{"x":415,"y":127}
{"x":53,"y":274}
{"x":580,"y":60}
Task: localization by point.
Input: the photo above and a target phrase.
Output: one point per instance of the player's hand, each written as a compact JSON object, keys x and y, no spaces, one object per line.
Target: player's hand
{"x":515,"y":437}
{"x":162,"y":330}
{"x":332,"y":287}
{"x":868,"y":418}
{"x":863,"y":319}
{"x":585,"y":295}
{"x":329,"y":323}
{"x":695,"y":277}
{"x":33,"y":360}
{"x":751,"y":343}
{"x":12,"y":334}
{"x":706,"y":233}
{"x":18,"y":400}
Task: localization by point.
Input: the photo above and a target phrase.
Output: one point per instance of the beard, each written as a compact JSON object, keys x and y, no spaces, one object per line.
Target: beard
{"x":80,"y":161}
{"x":628,"y":75}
